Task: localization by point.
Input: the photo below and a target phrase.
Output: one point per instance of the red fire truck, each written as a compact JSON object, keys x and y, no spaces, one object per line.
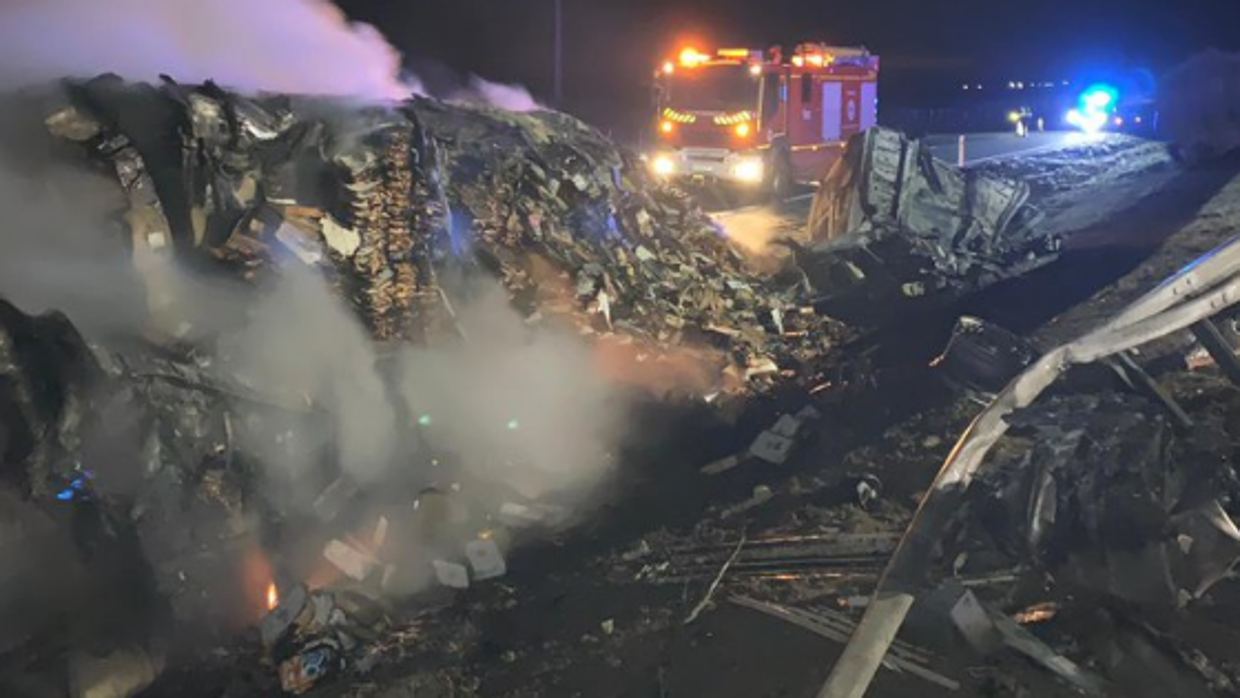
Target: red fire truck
{"x":759,"y":119}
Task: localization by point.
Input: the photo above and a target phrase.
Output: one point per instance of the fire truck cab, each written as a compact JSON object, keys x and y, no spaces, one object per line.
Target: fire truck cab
{"x":759,"y":119}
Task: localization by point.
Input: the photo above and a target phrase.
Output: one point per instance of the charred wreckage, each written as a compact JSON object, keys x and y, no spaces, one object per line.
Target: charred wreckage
{"x":144,"y":445}
{"x":143,"y":455}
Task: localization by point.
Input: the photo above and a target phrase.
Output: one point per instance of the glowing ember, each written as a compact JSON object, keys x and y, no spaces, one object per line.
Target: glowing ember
{"x":1039,"y":613}
{"x":273,"y":597}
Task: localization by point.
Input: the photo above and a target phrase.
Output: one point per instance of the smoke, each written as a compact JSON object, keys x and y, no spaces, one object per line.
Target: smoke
{"x":511,"y":97}
{"x":524,"y":409}
{"x":302,"y":341}
{"x":292,"y":46}
{"x":519,"y":410}
{"x":299,"y":46}
{"x":52,"y":253}
{"x":754,"y":230}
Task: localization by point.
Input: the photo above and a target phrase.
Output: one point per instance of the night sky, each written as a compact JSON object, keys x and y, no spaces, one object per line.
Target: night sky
{"x":926,"y":45}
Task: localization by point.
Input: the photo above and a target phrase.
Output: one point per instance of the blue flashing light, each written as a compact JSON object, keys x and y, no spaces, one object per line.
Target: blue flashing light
{"x":1096,"y":105}
{"x":73,"y":490}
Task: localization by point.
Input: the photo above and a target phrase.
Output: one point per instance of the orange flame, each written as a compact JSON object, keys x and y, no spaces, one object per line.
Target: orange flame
{"x":273,"y":597}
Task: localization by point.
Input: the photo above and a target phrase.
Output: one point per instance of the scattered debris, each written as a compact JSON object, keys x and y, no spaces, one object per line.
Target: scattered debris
{"x":842,"y":555}
{"x":485,"y":559}
{"x":315,"y":663}
{"x":982,"y":358}
{"x":276,"y":624}
{"x":714,"y":585}
{"x":452,"y":575}
{"x":1102,"y":465}
{"x":122,"y":672}
{"x":355,"y":563}
{"x":761,"y":495}
{"x":869,"y":490}
{"x":838,"y":628}
{"x":723,"y":464}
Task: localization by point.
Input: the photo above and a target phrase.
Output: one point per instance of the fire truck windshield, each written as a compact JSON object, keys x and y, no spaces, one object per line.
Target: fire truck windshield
{"x":714,"y":88}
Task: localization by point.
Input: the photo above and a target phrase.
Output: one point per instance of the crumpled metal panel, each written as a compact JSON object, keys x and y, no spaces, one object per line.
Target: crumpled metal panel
{"x":1095,"y":500}
{"x":932,"y":226}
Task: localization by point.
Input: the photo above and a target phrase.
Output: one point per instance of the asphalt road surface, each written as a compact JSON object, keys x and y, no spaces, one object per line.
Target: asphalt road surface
{"x":982,"y":147}
{"x":979,"y":148}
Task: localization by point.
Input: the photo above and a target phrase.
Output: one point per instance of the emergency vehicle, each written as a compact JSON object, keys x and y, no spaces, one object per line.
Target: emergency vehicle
{"x":760,"y":119}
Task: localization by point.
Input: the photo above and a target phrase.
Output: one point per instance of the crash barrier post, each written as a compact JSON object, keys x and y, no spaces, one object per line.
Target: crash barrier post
{"x":960,"y":157}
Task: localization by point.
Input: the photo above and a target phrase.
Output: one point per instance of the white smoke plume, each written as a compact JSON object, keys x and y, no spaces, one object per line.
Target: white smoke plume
{"x":525,"y":409}
{"x":510,"y":97}
{"x":521,"y":411}
{"x":292,"y":46}
{"x":302,"y":340}
{"x":298,"y":46}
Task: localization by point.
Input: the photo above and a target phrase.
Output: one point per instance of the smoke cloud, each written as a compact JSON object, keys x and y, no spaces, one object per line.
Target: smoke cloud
{"x":52,"y":253}
{"x":754,"y":230}
{"x":510,"y":97}
{"x":519,"y":411}
{"x":302,"y":341}
{"x":300,"y":46}
{"x":525,"y":409}
{"x":293,"y":46}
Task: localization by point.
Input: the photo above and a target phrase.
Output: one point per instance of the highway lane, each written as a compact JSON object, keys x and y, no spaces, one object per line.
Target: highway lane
{"x":983,"y":147}
{"x":979,"y":148}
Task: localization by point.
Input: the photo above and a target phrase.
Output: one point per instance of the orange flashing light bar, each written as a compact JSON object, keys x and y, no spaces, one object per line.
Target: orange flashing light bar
{"x":690,"y":57}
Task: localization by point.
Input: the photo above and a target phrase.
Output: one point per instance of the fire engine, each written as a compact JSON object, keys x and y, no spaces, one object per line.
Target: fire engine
{"x":760,"y":119}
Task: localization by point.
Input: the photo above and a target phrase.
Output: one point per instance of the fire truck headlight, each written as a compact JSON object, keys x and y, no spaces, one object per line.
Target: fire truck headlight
{"x":743,"y":129}
{"x":666,"y":127}
{"x":749,"y":170}
{"x":663,"y":165}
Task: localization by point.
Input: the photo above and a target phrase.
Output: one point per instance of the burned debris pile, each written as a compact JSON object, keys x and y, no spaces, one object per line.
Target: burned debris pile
{"x":237,"y":496}
{"x":396,"y":205}
{"x":1106,"y":497}
{"x":891,"y":221}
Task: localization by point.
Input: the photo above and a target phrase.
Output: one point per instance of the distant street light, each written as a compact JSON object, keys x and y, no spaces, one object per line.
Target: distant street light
{"x":559,"y":54}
